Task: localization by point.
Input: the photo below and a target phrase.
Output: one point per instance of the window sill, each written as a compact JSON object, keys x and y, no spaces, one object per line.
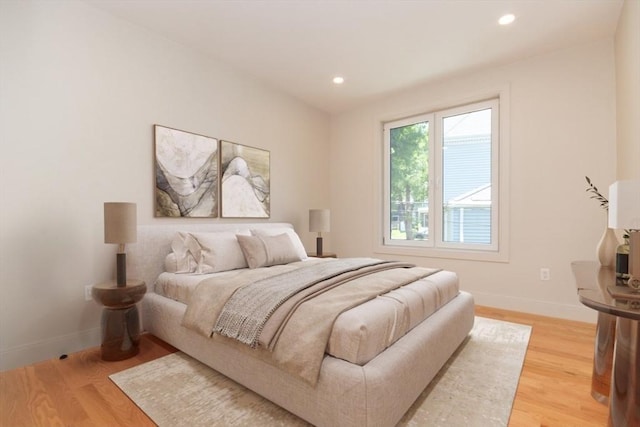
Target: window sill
{"x":460,"y":254}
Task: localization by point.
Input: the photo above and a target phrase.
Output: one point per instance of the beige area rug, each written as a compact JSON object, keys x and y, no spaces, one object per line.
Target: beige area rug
{"x":475,"y":388}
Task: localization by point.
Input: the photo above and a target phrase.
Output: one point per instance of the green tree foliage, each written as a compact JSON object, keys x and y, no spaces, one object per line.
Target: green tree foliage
{"x":409,"y":169}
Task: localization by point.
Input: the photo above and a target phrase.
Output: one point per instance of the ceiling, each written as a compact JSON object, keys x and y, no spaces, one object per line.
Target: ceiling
{"x":378,"y":46}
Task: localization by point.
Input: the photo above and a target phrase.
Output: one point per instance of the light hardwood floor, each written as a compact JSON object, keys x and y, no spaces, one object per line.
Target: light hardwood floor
{"x":554,"y":388}
{"x":555,"y":384}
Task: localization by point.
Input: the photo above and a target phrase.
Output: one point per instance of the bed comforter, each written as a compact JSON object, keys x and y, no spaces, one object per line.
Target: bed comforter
{"x":290,"y":319}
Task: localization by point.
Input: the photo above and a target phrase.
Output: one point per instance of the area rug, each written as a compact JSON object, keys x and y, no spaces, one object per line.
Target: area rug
{"x":476,"y":387}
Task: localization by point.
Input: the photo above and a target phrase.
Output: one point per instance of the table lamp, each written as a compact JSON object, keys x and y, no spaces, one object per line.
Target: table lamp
{"x":624,"y":213}
{"x":120,"y":226}
{"x":319,"y":221}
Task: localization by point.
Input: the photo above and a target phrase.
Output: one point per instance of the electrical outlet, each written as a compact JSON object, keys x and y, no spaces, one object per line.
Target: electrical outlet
{"x":87,"y":293}
{"x":545,"y":274}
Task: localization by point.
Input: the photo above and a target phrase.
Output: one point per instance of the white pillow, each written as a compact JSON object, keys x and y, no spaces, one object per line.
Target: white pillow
{"x":171,"y":263}
{"x":219,"y":251}
{"x":295,"y":239}
{"x":265,"y":251}
{"x":181,"y":259}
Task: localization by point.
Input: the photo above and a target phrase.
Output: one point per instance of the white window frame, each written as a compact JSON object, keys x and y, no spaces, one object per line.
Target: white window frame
{"x":387,"y":177}
{"x":498,"y":250}
{"x":494,"y":104}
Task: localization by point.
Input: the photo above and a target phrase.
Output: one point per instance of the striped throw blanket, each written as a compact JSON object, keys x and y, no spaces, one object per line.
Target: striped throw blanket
{"x":246,"y":312}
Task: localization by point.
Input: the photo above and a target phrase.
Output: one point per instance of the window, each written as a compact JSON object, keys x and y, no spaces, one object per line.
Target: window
{"x":441,"y":180}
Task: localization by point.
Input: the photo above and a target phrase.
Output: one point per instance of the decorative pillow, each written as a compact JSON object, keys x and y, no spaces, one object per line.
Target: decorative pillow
{"x":295,"y":239}
{"x":171,"y":263}
{"x":264,"y":251}
{"x":218,"y":251}
{"x":181,"y":260}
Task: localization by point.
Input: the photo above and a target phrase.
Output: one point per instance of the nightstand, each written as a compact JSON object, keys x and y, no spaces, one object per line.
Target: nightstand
{"x":324,"y":255}
{"x":120,"y":319}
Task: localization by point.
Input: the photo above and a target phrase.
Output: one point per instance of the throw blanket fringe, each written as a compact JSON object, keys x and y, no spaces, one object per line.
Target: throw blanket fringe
{"x":244,"y":315}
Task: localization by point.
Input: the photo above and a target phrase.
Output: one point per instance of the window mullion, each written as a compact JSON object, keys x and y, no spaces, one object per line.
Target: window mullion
{"x":495,"y":174}
{"x":436,"y":165}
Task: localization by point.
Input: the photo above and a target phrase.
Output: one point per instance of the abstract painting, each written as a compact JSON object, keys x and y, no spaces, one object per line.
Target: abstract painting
{"x":245,"y":188}
{"x":186,"y":174}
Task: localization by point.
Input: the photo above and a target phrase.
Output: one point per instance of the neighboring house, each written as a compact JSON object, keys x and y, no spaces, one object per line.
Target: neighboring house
{"x":467,"y":193}
{"x":468,"y":217}
{"x":467,"y":189}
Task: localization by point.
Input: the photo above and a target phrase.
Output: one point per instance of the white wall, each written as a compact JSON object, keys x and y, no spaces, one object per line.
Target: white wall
{"x":627,"y":48}
{"x":79,"y":93}
{"x":562,"y":127}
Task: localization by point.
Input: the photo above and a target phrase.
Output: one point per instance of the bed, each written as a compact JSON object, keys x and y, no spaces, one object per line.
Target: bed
{"x":365,"y":377}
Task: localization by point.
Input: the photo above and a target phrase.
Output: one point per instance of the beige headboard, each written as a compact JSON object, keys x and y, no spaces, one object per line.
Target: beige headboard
{"x":145,"y":258}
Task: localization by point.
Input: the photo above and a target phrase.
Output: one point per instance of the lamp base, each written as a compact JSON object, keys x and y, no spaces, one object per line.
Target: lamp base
{"x":319,"y":246}
{"x":121,"y":270}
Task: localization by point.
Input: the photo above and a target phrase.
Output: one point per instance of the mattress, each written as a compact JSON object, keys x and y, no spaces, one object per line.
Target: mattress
{"x":363,"y":332}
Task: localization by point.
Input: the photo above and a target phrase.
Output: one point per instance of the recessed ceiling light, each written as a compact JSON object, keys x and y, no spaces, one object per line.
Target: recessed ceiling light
{"x":338,"y":80}
{"x":506,"y":19}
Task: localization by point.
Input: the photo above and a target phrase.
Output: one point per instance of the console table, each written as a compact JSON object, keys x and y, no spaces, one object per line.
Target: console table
{"x":596,"y":287}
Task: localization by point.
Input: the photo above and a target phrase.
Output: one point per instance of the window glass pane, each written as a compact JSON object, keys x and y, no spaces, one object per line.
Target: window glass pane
{"x":466,"y":178}
{"x":409,"y":182}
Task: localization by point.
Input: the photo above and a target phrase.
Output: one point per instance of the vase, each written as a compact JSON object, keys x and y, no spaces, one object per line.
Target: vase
{"x":606,"y":249}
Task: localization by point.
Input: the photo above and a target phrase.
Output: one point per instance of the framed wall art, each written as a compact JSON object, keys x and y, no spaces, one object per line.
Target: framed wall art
{"x":245,"y":187}
{"x":186,"y":174}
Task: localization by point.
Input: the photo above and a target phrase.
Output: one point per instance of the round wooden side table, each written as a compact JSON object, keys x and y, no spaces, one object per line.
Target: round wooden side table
{"x":120,"y":319}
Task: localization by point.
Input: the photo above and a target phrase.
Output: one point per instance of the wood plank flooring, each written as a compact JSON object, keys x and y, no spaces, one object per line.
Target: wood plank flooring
{"x":75,"y":391}
{"x":554,"y":388}
{"x":555,"y":384}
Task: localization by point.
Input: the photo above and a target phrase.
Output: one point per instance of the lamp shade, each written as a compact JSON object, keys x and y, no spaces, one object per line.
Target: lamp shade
{"x":624,"y":204}
{"x":319,"y":220}
{"x":120,"y":224}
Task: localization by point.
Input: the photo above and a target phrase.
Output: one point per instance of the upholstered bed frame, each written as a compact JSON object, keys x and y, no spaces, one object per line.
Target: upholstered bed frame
{"x":376,"y":394}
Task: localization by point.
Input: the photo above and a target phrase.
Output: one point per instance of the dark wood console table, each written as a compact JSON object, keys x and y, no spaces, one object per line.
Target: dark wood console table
{"x":596,"y":285}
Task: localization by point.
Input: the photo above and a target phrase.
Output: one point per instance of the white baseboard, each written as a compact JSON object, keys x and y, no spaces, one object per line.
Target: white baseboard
{"x":66,"y":344}
{"x":49,"y":349}
{"x":576,"y":312}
